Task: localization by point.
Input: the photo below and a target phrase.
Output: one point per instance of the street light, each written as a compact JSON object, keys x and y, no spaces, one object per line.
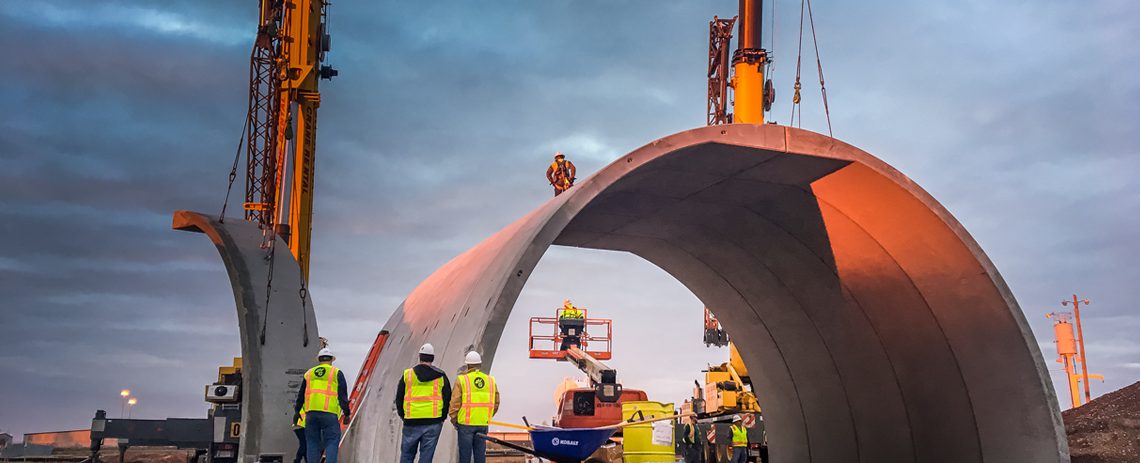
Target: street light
{"x":131,"y":403}
{"x":123,"y":406}
{"x":1081,"y":342}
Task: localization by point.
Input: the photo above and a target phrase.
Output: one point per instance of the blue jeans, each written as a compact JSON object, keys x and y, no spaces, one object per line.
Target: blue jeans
{"x":322,"y":432}
{"x":471,"y":446}
{"x":425,"y":437}
{"x":739,"y":454}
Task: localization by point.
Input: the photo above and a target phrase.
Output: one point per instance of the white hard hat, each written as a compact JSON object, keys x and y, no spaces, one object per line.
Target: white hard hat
{"x":736,"y":418}
{"x":326,"y":353}
{"x":473,"y":358}
{"x":427,"y":349}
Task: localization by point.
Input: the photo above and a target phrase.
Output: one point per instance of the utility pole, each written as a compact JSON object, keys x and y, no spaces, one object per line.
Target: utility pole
{"x":1081,"y":342}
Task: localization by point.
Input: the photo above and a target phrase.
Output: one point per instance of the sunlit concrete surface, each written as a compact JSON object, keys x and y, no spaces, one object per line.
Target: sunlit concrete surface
{"x":875,"y":328}
{"x":278,"y":344}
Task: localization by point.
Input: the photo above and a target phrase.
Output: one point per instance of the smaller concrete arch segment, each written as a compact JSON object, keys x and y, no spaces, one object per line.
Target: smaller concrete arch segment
{"x":271,"y":369}
{"x":874,"y":326}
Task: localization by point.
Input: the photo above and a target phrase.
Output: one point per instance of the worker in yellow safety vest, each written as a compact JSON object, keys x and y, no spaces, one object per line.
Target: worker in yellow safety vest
{"x":322,"y":402}
{"x":561,"y":173}
{"x":474,"y":401}
{"x":422,"y":397}
{"x":299,"y":431}
{"x":739,"y":440}
{"x":571,"y":323}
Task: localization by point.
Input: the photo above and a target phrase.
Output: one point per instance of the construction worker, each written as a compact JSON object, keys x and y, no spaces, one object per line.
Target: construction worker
{"x":739,"y":440}
{"x":299,"y":431}
{"x":571,"y":323}
{"x":421,"y":400}
{"x":474,"y":401}
{"x":323,"y":398}
{"x":690,"y":446}
{"x":561,"y":173}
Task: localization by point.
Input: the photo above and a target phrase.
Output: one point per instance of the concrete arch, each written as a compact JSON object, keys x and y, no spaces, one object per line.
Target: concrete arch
{"x":876,"y":328}
{"x":278,"y":343}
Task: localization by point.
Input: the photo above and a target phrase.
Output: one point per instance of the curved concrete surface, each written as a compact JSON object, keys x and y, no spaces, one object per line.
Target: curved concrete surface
{"x":273,"y":364}
{"x":875,"y":328}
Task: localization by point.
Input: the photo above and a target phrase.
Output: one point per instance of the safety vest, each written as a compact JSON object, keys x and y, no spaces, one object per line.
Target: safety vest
{"x":322,"y":389}
{"x":572,"y":312}
{"x":422,"y":400}
{"x":478,"y":390}
{"x":739,"y":436}
{"x":561,"y":173}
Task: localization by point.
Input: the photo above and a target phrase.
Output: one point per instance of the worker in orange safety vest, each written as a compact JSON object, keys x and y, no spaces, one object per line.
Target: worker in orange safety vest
{"x":561,"y":173}
{"x":474,"y":401}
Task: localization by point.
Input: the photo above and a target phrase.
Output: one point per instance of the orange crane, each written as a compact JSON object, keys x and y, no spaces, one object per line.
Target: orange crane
{"x":281,"y":126}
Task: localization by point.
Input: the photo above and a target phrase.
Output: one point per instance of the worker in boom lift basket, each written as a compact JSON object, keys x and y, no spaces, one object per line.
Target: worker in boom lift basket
{"x":739,"y":440}
{"x":571,"y":323}
{"x":323,"y":398}
{"x":474,"y":401}
{"x":422,"y":397}
{"x":561,"y":173}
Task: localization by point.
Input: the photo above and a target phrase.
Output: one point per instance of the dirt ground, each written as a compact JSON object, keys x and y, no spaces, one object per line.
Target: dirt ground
{"x":1106,"y":430}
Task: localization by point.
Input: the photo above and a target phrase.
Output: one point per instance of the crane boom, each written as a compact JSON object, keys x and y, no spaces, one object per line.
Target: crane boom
{"x":285,"y":70}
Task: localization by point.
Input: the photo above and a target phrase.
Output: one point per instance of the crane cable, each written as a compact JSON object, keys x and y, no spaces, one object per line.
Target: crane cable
{"x":819,"y":67}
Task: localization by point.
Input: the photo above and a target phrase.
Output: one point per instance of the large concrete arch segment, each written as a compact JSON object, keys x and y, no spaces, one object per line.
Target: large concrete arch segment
{"x":278,"y":343}
{"x":874,"y":325}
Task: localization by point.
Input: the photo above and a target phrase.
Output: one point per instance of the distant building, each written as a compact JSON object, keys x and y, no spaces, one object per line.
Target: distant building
{"x":5,"y":440}
{"x":61,"y":439}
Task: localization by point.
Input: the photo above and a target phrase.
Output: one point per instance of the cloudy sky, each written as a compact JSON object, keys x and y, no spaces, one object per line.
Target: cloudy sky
{"x":1021,"y":117}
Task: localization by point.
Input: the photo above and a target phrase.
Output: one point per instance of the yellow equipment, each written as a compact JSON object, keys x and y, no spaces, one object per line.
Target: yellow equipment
{"x":725,"y":390}
{"x":285,"y":68}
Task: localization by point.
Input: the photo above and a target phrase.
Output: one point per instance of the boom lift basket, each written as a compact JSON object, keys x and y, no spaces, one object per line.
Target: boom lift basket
{"x":592,"y":340}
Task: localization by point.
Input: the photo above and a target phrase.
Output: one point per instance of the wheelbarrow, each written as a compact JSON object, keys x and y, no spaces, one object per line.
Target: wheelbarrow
{"x":562,"y":445}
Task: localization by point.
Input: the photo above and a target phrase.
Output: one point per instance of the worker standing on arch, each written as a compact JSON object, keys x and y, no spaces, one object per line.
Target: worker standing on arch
{"x":561,"y":173}
{"x":421,"y":400}
{"x":323,"y":398}
{"x":474,"y":401}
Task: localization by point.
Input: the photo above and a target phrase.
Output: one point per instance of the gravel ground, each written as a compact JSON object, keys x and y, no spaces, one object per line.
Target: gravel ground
{"x":1106,"y":430}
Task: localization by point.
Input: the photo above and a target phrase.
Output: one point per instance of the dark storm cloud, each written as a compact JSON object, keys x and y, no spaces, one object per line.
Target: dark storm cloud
{"x":1019,"y":117}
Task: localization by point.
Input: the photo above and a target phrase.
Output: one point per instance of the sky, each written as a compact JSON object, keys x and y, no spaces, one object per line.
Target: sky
{"x":1019,"y":116}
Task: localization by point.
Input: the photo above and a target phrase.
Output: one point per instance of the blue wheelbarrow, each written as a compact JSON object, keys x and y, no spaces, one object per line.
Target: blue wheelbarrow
{"x":560,"y":445}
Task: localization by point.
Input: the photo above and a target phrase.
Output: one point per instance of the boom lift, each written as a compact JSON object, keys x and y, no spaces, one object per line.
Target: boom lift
{"x":600,"y":404}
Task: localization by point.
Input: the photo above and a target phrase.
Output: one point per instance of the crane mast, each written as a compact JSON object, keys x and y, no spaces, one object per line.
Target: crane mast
{"x":285,"y":71}
{"x":752,"y":94}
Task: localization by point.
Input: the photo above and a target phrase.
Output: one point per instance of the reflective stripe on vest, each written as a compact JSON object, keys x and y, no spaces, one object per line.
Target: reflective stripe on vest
{"x":422,"y":400}
{"x":739,"y":436}
{"x":478,"y":391}
{"x":322,"y":389}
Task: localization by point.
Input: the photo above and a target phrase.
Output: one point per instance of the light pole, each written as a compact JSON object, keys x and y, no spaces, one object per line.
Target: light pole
{"x":130,"y":404}
{"x":123,"y":405}
{"x":1081,"y":342}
